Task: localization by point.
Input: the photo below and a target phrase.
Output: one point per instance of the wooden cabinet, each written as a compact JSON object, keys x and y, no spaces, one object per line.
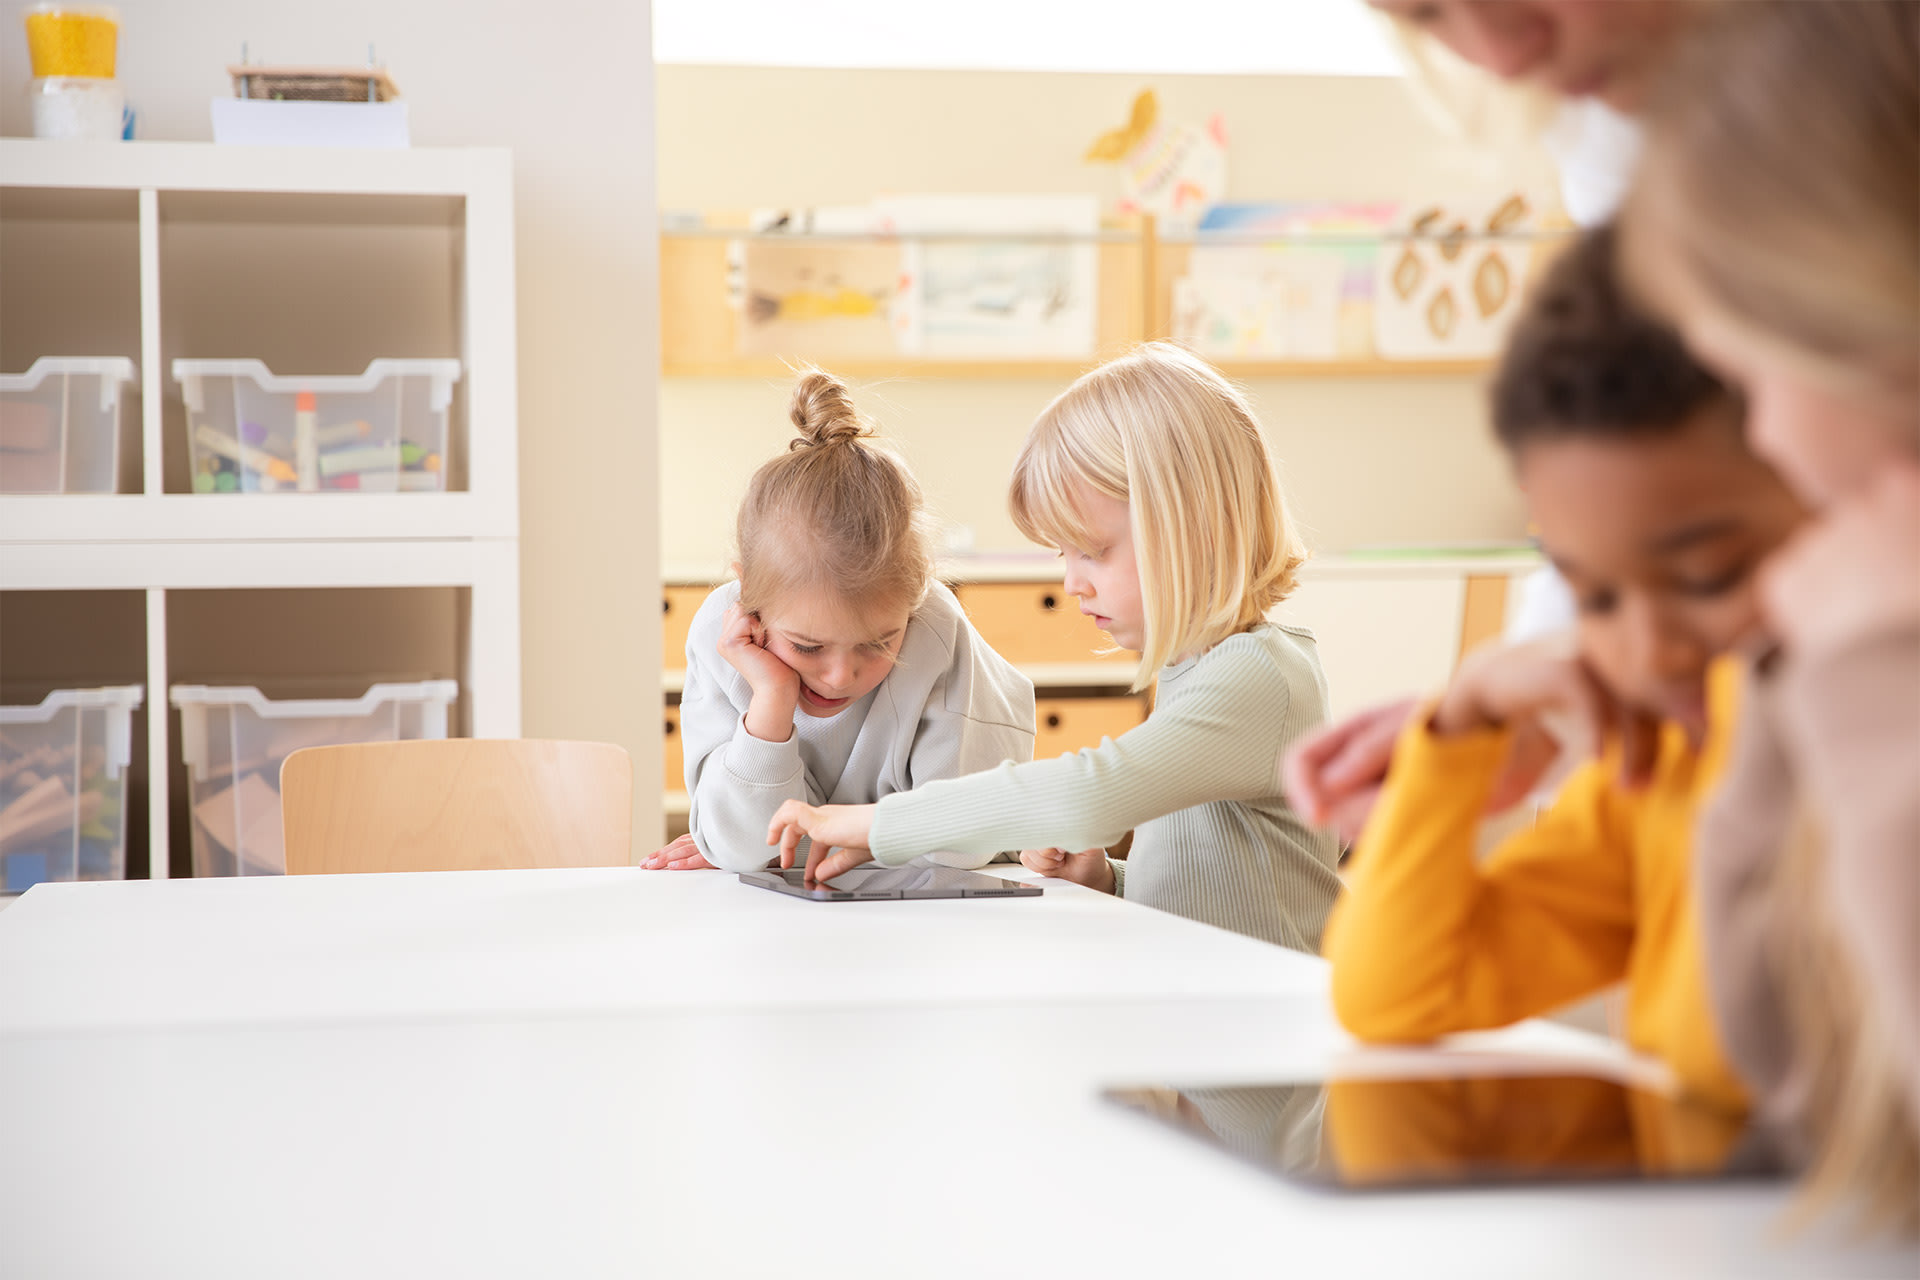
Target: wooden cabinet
{"x":677,"y":607}
{"x":1485,"y":615}
{"x":1064,"y":725}
{"x":1037,"y":622}
{"x":676,"y":768}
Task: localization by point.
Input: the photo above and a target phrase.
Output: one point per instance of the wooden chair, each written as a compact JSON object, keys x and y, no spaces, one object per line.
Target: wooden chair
{"x":457,"y":804}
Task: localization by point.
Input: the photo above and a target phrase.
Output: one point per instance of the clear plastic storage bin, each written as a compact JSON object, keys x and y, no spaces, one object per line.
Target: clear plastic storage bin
{"x":60,"y":425}
{"x":63,"y":787}
{"x":382,"y":431}
{"x":234,"y":740}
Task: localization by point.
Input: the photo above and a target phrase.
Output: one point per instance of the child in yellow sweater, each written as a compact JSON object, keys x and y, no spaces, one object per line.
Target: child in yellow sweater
{"x":1647,"y":500}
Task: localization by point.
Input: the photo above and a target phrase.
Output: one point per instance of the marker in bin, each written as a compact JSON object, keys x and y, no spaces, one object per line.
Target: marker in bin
{"x":388,"y":482}
{"x":342,"y":433}
{"x":257,"y":460}
{"x":306,"y":446}
{"x":377,"y":457}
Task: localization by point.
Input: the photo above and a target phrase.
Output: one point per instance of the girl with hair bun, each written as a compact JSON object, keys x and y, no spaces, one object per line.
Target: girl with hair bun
{"x":834,"y":668}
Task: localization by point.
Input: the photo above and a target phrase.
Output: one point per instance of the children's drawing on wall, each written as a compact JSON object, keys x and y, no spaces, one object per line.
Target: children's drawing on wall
{"x":1451,"y":287}
{"x":1282,"y":281}
{"x":816,"y":294}
{"x":972,"y":285}
{"x":1172,"y":171}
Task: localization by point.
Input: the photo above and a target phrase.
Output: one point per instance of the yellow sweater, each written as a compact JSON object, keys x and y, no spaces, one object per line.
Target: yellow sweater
{"x":1425,"y":942}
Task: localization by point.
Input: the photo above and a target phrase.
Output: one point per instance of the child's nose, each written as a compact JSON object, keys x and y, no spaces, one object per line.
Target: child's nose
{"x":1076,"y":582}
{"x":1664,"y":647}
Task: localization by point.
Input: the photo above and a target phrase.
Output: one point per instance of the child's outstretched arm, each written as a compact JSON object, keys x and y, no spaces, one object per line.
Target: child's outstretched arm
{"x":1426,"y":941}
{"x":1217,"y":742}
{"x":736,"y":720}
{"x":1333,"y":776}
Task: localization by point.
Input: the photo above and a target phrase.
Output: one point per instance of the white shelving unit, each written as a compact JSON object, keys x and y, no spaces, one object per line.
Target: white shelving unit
{"x":154,"y":541}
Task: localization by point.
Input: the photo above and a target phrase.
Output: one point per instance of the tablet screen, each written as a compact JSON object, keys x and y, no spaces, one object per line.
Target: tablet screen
{"x":1463,"y":1131}
{"x":922,"y":880}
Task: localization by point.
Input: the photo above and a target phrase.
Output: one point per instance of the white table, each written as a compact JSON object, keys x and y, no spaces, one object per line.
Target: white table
{"x":580,"y":1073}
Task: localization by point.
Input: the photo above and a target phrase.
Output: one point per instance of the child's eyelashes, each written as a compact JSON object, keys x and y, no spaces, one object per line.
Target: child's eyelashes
{"x":1714,"y":585}
{"x":871,"y":646}
{"x":1603,"y":601}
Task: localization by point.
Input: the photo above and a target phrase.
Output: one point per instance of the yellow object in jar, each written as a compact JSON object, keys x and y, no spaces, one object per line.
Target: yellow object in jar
{"x":69,"y":41}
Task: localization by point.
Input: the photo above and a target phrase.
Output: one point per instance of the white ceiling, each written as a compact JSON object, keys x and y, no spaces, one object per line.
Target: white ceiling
{"x":1298,"y":37}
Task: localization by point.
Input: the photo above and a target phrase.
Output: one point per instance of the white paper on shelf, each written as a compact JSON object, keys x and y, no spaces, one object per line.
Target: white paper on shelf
{"x":996,"y":297}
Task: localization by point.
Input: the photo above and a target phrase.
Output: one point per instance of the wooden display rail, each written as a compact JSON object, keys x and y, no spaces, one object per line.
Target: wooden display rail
{"x":700,"y":331}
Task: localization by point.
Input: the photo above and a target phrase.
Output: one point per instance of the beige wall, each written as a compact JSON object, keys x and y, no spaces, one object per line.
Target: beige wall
{"x":480,"y":73}
{"x":1367,"y":461}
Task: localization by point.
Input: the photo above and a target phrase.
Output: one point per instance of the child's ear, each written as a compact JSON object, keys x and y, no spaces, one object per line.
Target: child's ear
{"x":733,"y":567}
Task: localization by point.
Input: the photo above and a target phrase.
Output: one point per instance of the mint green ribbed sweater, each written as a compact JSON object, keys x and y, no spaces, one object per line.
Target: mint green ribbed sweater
{"x":1197,"y":784}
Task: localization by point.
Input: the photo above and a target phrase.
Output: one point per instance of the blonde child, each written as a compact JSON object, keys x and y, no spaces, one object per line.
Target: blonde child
{"x":834,"y":668}
{"x":1154,"y":479}
{"x":1649,"y":502}
{"x":1778,"y":222}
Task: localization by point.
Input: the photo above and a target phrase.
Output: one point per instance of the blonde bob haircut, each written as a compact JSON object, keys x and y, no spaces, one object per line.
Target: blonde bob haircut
{"x":1164,"y":432}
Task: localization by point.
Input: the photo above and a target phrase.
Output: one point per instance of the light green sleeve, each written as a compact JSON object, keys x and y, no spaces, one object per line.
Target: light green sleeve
{"x":1219,"y":740}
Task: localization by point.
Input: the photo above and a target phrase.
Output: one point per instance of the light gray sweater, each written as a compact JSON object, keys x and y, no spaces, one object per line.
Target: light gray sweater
{"x":950,"y":706}
{"x":1214,"y":840}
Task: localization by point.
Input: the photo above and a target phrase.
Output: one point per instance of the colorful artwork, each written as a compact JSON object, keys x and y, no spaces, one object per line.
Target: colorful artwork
{"x":1449,"y":286}
{"x":1174,"y":172}
{"x":1285,"y":281}
{"x":814,"y":296}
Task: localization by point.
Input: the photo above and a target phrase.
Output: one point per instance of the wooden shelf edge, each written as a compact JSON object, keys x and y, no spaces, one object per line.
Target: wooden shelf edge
{"x":778,"y":370}
{"x":1359,"y":368}
{"x":1112,"y":674}
{"x":1061,"y":370}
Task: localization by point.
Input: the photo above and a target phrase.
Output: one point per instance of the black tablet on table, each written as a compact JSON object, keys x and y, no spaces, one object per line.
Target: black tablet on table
{"x":875,"y":883}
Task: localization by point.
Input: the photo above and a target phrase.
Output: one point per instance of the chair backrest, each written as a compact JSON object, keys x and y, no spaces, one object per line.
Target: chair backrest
{"x":457,"y":804}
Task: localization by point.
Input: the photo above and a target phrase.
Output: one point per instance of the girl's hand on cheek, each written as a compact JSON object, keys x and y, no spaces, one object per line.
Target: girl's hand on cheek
{"x":1852,"y":573}
{"x":775,"y":685}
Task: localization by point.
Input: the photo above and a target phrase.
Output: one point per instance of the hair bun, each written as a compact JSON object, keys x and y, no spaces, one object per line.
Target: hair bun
{"x":823,"y":410}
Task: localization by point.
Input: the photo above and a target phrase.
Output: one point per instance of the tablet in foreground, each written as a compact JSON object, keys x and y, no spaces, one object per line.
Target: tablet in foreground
{"x":1457,"y":1131}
